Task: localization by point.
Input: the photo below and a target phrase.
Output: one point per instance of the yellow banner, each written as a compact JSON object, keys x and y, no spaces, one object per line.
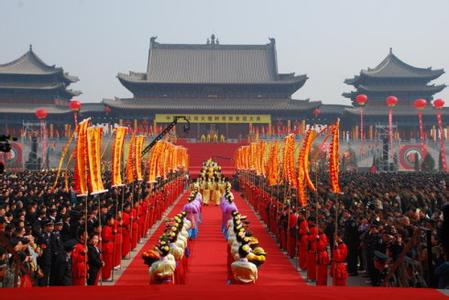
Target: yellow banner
{"x":94,"y":137}
{"x":153,"y":161}
{"x":130,"y":162}
{"x":140,"y":139}
{"x":204,"y":118}
{"x":81,"y":165}
{"x":117,"y":152}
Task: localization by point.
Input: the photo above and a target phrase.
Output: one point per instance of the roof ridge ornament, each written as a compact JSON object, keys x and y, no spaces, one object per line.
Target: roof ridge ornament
{"x":391,"y":50}
{"x":153,"y":40}
{"x":31,"y":47}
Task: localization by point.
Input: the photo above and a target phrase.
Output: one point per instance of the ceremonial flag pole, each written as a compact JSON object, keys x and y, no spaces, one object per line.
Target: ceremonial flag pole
{"x":85,"y":235}
{"x":420,"y":104}
{"x":391,"y":102}
{"x":438,"y":104}
{"x":101,"y":248}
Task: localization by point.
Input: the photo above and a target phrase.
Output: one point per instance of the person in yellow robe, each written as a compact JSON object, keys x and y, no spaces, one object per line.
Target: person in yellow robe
{"x":216,"y":192}
{"x":163,"y":270}
{"x":203,"y":138}
{"x":206,"y":191}
{"x":243,"y":271}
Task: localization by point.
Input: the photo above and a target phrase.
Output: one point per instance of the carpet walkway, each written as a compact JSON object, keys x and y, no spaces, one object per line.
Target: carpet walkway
{"x":208,"y":253}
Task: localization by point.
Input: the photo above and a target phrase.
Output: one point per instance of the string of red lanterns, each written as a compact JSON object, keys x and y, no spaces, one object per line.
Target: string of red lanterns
{"x":75,"y":107}
{"x":391,"y":102}
{"x":41,"y":114}
{"x":421,"y":104}
{"x":438,"y":104}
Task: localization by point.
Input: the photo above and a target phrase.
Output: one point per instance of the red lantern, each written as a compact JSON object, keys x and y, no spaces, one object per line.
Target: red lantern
{"x":316,"y":112}
{"x":107,"y":109}
{"x":41,"y":113}
{"x":75,"y":105}
{"x":420,"y":103}
{"x":391,"y":101}
{"x":361,"y":99}
{"x":438,"y":103}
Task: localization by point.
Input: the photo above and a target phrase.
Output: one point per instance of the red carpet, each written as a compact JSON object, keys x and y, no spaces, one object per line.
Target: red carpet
{"x":207,"y":263}
{"x":223,"y":153}
{"x":204,"y":291}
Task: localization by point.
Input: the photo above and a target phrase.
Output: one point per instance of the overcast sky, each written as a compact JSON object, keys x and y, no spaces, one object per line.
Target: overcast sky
{"x":329,"y":40}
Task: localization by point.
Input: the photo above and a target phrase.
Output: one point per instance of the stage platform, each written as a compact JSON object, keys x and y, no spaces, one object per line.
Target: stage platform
{"x":223,"y":153}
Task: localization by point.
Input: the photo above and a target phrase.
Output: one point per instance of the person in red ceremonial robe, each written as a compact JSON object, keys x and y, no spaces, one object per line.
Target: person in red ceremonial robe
{"x":322,"y":258}
{"x":292,"y":232}
{"x":107,"y":236}
{"x":118,"y":241}
{"x":157,"y":204}
{"x":282,"y":225}
{"x":141,"y":220}
{"x":256,"y":197}
{"x":150,"y":211}
{"x":126,"y":227}
{"x":263,"y":207}
{"x":144,"y":218}
{"x":311,"y":251}
{"x":273,"y":214}
{"x":79,"y":260}
{"x":338,"y":268}
{"x":303,"y":241}
{"x":134,"y":227}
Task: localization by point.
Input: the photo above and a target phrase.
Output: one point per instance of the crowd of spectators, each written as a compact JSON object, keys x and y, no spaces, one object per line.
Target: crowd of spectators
{"x":395,"y":225}
{"x":44,"y":230}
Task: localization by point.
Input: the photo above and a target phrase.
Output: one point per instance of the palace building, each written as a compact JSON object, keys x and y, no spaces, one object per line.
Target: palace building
{"x":225,"y":89}
{"x":393,"y":77}
{"x":28,"y":83}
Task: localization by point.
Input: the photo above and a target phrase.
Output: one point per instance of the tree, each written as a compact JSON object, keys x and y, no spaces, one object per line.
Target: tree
{"x":428,"y":164}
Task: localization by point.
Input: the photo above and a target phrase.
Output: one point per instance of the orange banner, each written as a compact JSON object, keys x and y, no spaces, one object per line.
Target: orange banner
{"x":273,"y":165}
{"x":94,"y":139}
{"x":130,"y":162}
{"x":334,"y":167}
{"x":140,"y":139}
{"x":117,"y":152}
{"x":81,"y":160}
{"x":288,"y":160}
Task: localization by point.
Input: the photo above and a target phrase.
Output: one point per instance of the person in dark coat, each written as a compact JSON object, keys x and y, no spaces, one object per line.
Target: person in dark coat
{"x":66,"y":230}
{"x":351,"y":239}
{"x":45,"y":260}
{"x":63,"y":268}
{"x":94,"y":260}
{"x":57,"y":248}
